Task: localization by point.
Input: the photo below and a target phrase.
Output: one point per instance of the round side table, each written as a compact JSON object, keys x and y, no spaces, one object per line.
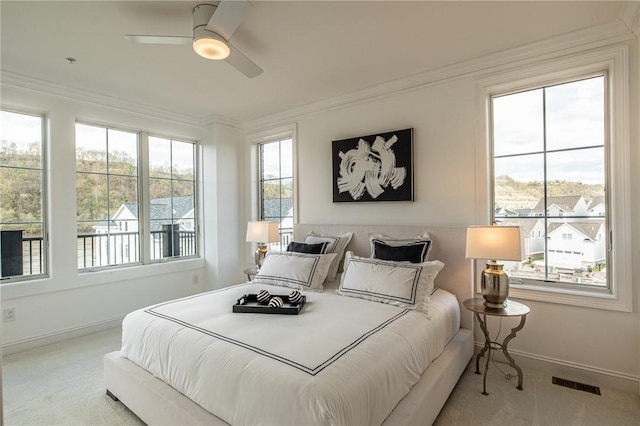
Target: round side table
{"x":513,"y":309}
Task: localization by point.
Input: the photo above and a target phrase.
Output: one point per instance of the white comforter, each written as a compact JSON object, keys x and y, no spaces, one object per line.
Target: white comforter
{"x":342,"y":361}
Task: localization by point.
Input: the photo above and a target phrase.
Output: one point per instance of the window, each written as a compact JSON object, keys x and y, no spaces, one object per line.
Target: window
{"x":23,"y":231}
{"x":275,"y":158}
{"x":568,"y":151}
{"x":113,"y":228}
{"x":549,"y":159}
{"x":172,"y":198}
{"x":107,"y":196}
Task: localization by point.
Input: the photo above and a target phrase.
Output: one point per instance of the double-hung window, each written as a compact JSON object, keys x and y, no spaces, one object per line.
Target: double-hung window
{"x":136,"y":197}
{"x":23,"y":225}
{"x":557,"y":169}
{"x":275,"y":159}
{"x":107,"y":194}
{"x":172,"y":196}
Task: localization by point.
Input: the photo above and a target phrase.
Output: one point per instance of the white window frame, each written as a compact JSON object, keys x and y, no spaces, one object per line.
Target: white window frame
{"x":143,"y":201}
{"x":254,"y":139}
{"x":614,"y":61}
{"x":45,"y":253}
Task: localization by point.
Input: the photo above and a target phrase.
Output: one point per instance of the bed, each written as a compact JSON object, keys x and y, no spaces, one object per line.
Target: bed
{"x":281,"y":369}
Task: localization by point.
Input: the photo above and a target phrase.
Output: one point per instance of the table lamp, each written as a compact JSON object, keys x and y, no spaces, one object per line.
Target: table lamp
{"x":494,"y":242}
{"x":262,"y":232}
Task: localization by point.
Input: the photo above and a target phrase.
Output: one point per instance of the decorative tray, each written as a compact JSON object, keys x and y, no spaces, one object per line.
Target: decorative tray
{"x":249,"y":304}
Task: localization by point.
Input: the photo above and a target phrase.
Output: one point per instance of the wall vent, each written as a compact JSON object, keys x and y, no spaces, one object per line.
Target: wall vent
{"x":575,"y":385}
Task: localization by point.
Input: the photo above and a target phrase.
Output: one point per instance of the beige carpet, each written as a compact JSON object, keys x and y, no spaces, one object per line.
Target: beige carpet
{"x":62,"y":384}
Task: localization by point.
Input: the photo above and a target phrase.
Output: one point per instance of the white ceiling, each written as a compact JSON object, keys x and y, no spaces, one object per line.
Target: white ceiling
{"x":309,"y":50}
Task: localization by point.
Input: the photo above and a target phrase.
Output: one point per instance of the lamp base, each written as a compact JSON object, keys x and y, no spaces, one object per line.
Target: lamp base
{"x":495,"y":286}
{"x":261,"y":252}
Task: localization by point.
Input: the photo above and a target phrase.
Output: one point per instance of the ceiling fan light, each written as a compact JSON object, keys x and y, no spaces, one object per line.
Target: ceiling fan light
{"x":211,"y":48}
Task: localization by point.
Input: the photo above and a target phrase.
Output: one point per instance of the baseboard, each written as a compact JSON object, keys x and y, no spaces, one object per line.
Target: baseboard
{"x":59,"y":336}
{"x":572,"y":371}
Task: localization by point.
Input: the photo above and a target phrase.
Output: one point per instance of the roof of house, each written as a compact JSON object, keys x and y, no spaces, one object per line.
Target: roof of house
{"x":526,"y":225}
{"x":588,"y":229}
{"x":163,"y":211}
{"x":275,"y":208}
{"x":565,"y":202}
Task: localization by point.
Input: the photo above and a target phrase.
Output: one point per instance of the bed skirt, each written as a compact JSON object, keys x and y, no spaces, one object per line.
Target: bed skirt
{"x":157,"y":403}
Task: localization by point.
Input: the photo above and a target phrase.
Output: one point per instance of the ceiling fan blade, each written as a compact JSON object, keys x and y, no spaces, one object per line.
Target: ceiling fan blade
{"x":152,"y":39}
{"x":243,"y":64}
{"x":228,"y":16}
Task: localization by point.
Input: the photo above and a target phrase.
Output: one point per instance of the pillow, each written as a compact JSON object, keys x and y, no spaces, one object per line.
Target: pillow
{"x":301,"y":271}
{"x":415,"y":252}
{"x":423,"y":241}
{"x":336,"y":245}
{"x":407,"y":285}
{"x":307,"y":248}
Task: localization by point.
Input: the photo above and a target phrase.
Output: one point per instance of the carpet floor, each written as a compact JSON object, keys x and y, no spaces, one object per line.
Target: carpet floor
{"x":62,"y":384}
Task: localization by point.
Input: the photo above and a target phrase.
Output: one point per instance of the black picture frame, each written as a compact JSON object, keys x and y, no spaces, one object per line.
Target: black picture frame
{"x":376,"y":167}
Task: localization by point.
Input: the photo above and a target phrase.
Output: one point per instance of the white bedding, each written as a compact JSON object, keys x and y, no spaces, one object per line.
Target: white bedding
{"x":341,"y":361}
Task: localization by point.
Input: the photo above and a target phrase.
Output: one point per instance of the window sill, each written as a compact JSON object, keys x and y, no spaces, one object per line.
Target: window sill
{"x":572,"y":297}
{"x":102,"y":277}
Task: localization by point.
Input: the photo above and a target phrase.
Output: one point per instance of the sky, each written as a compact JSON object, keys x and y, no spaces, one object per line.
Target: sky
{"x":574,"y":119}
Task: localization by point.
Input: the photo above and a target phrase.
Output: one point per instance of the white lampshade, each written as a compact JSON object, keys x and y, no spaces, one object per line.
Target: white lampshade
{"x":262,"y":232}
{"x":494,"y":242}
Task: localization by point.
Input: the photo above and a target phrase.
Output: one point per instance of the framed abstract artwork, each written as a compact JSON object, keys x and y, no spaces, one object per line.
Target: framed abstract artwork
{"x":374,"y":168}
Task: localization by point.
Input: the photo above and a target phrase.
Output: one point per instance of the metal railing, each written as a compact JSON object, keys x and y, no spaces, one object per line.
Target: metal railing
{"x":97,"y":250}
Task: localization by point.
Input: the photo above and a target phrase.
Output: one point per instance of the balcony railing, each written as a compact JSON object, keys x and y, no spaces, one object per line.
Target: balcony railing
{"x":97,"y":250}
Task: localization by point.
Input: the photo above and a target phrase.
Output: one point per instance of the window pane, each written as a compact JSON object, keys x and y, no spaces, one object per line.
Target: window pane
{"x":107,"y":196}
{"x":91,"y":193}
{"x":91,"y":148}
{"x":575,"y":114}
{"x":22,"y":203}
{"x":518,"y":184}
{"x":21,"y":140}
{"x":518,"y":123}
{"x":276,"y":187}
{"x":123,"y":152}
{"x":182,"y":156}
{"x":123,"y":197}
{"x":172,"y":198}
{"x":583,"y":167}
{"x":159,"y":157}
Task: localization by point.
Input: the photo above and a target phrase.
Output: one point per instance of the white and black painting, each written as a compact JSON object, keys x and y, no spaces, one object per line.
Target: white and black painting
{"x":374,"y":168}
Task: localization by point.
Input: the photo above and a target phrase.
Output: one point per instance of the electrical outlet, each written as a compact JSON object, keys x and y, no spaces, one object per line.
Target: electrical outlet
{"x":9,"y":314}
{"x":195,"y":279}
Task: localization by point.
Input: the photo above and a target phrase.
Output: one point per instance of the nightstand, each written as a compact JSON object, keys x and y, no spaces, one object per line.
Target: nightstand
{"x":250,"y":272}
{"x":513,"y":309}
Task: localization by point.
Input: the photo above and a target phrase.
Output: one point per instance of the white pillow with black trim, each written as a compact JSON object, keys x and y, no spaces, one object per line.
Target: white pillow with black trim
{"x":301,"y":271}
{"x":407,"y":285}
{"x":335,"y":245}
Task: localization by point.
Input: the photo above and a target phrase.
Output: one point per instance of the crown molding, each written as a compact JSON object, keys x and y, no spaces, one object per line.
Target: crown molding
{"x":49,"y":88}
{"x":630,"y":16}
{"x":580,"y":40}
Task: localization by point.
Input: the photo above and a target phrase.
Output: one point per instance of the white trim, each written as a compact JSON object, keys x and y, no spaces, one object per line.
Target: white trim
{"x":576,"y":371}
{"x":101,"y":277}
{"x":615,"y":61}
{"x":566,"y":44}
{"x":60,"y":336}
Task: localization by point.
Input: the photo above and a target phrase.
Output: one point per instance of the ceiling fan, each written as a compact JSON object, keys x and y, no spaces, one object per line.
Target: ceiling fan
{"x":213,"y":25}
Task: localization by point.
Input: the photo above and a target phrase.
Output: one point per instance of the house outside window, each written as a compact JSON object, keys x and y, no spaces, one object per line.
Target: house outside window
{"x":23,"y":204}
{"x":107,"y":196}
{"x":276,"y":198}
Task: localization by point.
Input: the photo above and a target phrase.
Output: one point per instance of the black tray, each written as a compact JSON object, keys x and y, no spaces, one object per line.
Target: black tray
{"x":249,"y":304}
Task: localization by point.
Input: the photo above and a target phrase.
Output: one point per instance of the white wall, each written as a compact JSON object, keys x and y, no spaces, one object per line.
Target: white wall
{"x":69,"y":303}
{"x":591,"y":345}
